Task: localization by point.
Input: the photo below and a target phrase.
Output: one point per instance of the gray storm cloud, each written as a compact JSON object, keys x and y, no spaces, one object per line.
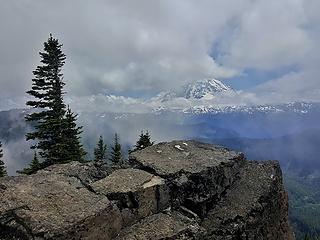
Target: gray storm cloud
{"x":150,"y":46}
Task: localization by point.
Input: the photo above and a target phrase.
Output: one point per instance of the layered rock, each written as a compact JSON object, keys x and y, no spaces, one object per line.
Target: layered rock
{"x":137,"y":193}
{"x":196,"y":173}
{"x":176,"y":190}
{"x":255,"y":207}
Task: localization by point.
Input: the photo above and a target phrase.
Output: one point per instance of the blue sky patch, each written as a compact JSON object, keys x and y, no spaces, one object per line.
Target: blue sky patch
{"x":251,"y":77}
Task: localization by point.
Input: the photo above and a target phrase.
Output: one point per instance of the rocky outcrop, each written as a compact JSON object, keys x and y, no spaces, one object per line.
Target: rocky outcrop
{"x":196,"y":173}
{"x":137,"y":193}
{"x":56,"y":204}
{"x":175,"y":190}
{"x":255,"y":207}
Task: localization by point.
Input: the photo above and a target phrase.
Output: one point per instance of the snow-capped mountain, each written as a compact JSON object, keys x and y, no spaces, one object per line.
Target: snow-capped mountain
{"x":208,"y":96}
{"x":206,"y":89}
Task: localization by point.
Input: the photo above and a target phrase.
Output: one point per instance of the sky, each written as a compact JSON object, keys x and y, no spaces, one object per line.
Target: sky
{"x":267,"y":50}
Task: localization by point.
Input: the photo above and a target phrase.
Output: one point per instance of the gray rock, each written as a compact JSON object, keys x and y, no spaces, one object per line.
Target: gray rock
{"x":137,"y":193}
{"x":177,"y":190}
{"x":164,"y":226}
{"x":52,"y":205}
{"x":255,"y":207}
{"x":171,"y":158}
{"x":197,"y":173}
{"x":86,"y":173}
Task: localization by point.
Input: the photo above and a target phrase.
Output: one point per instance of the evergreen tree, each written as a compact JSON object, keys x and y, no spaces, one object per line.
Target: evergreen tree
{"x":3,"y":171}
{"x":34,"y":166}
{"x":147,"y":140}
{"x":56,"y":135}
{"x":73,"y":149}
{"x":143,"y":141}
{"x":47,"y":89}
{"x":100,"y":152}
{"x":116,"y":151}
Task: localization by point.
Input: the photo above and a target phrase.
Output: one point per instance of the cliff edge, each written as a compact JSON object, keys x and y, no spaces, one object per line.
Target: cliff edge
{"x":175,"y":190}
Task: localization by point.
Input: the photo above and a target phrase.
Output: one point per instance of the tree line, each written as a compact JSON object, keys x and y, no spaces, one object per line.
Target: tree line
{"x":56,"y":137}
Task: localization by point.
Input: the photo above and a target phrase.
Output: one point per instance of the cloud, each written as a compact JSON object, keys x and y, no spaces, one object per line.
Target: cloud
{"x":113,"y":45}
{"x":270,"y":34}
{"x":120,"y":47}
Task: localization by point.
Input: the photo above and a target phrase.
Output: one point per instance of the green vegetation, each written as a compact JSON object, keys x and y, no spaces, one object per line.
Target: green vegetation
{"x":304,"y":202}
{"x":143,"y":141}
{"x":100,"y":152}
{"x":56,"y":135}
{"x":34,"y":166}
{"x":116,"y":157}
{"x":3,"y":171}
{"x":73,"y":150}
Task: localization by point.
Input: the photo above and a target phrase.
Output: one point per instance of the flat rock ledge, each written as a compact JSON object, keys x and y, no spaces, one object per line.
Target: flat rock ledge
{"x":174,"y":190}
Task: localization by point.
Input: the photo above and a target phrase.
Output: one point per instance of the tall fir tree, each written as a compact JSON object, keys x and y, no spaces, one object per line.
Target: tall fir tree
{"x":47,"y":89}
{"x":143,"y":141}
{"x":100,"y":152}
{"x":56,"y":136}
{"x":73,"y":150}
{"x":3,"y":171}
{"x":116,"y":157}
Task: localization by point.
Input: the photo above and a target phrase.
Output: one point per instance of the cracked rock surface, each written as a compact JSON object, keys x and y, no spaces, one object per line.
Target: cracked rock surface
{"x":175,"y":190}
{"x":197,"y":173}
{"x":137,"y":193}
{"x":163,"y":226}
{"x":170,"y":158}
{"x":255,"y":207}
{"x":54,"y":205}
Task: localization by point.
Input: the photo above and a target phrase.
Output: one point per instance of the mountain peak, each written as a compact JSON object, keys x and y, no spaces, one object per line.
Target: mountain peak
{"x":206,"y":88}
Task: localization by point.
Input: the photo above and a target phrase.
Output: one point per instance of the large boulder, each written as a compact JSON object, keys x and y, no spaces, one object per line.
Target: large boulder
{"x":137,"y":193}
{"x":255,"y":207}
{"x":54,"y":204}
{"x":197,"y":173}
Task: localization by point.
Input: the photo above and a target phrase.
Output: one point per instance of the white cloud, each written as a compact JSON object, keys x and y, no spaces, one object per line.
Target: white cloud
{"x":123,"y":46}
{"x":115,"y":45}
{"x":269,"y":35}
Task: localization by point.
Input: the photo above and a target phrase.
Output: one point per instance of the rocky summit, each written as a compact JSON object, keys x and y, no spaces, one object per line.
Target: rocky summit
{"x":174,"y":190}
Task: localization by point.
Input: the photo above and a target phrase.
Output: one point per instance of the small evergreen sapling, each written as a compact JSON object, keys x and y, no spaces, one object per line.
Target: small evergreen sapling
{"x":100,"y":152}
{"x":143,"y":141}
{"x":116,"y":158}
{"x":34,"y":166}
{"x":3,"y":171}
{"x":73,"y":150}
